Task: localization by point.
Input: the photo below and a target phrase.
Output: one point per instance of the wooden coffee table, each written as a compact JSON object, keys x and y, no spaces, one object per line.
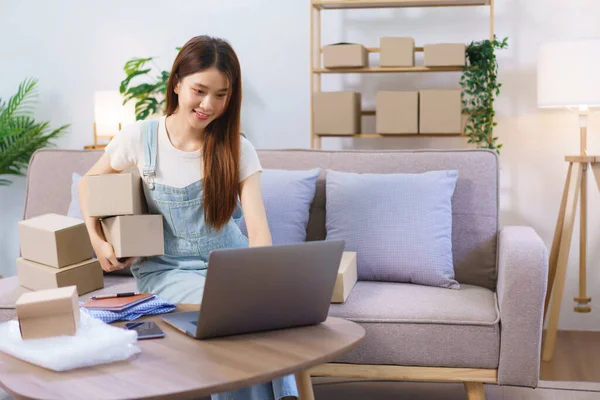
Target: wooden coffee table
{"x":180,"y":367}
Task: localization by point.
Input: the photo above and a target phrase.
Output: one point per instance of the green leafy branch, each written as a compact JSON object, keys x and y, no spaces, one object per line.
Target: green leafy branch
{"x":20,"y":134}
{"x":480,"y":85}
{"x":149,"y":96}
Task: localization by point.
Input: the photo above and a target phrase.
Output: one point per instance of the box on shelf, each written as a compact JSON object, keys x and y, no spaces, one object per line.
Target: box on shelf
{"x":337,"y":113}
{"x":397,"y":112}
{"x":135,"y":235}
{"x":346,"y":279}
{"x":444,"y":54}
{"x":48,"y":313}
{"x":440,"y":111}
{"x":55,"y":240}
{"x":115,"y":194}
{"x":396,"y":52}
{"x":344,"y":55}
{"x":87,"y":276}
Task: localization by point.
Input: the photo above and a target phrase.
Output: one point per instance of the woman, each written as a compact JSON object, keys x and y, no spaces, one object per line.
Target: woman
{"x":197,"y":169}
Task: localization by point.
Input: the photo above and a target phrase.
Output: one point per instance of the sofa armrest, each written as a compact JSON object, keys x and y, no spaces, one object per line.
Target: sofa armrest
{"x":521,"y":289}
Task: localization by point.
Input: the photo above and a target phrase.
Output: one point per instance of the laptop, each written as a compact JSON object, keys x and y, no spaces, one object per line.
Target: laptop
{"x":264,"y":288}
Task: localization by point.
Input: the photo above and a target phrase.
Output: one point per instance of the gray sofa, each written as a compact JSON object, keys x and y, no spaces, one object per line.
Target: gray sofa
{"x":488,"y":331}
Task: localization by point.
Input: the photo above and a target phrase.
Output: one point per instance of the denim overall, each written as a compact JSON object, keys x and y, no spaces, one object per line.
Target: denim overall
{"x":178,"y":276}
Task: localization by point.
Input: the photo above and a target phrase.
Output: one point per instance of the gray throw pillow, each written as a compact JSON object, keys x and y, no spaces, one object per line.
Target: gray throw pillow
{"x":400,"y":225}
{"x":287,"y":195}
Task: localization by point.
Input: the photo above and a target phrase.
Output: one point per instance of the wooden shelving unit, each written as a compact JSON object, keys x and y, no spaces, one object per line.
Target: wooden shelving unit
{"x":317,"y":71}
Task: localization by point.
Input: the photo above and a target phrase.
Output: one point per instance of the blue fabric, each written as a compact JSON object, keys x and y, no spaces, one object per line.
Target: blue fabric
{"x":287,"y":195}
{"x":400,"y":225}
{"x":179,"y":275}
{"x":149,"y":307}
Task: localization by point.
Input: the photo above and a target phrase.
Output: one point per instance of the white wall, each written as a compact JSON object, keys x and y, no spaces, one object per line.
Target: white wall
{"x":75,"y":48}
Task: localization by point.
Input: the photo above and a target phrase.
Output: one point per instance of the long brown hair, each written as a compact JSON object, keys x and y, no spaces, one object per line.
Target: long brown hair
{"x":221,"y":141}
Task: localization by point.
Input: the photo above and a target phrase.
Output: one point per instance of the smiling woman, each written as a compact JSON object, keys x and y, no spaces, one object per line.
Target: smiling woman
{"x":198,"y":171}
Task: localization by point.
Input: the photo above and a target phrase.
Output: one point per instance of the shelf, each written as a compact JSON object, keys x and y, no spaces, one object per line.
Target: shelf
{"x":386,"y":69}
{"x":384,"y":135}
{"x":350,"y":4}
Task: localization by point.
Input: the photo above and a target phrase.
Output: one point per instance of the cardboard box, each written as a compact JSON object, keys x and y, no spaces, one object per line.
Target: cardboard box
{"x":396,"y":52}
{"x":87,"y":276}
{"x":48,"y":313}
{"x":341,"y":55}
{"x":337,"y":113}
{"x":115,"y":194}
{"x":55,"y":240}
{"x":346,"y":279}
{"x":440,"y":111}
{"x":135,"y":235}
{"x":397,"y":112}
{"x":444,"y":54}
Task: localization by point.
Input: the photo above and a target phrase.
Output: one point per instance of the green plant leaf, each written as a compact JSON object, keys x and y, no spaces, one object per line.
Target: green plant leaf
{"x":127,"y":80}
{"x":135,"y":64}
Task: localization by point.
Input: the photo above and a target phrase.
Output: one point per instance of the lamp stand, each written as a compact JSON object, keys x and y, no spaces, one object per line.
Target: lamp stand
{"x":575,"y":184}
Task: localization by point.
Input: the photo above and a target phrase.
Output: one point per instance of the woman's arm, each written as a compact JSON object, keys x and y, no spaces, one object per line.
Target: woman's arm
{"x":254,"y":211}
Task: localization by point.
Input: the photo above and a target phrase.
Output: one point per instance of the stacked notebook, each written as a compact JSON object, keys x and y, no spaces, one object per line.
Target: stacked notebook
{"x":118,"y":304}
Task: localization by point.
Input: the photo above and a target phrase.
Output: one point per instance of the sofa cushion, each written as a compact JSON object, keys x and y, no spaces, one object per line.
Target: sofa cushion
{"x":399,"y":225}
{"x":287,"y":195}
{"x":416,"y":325}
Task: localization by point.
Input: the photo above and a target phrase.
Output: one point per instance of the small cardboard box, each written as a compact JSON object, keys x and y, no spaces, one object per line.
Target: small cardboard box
{"x":135,"y":235}
{"x":55,"y":240}
{"x":396,"y":52}
{"x":87,"y":276}
{"x":397,"y":112}
{"x":346,"y":279}
{"x":48,"y":313}
{"x":440,"y":111}
{"x":337,"y":113}
{"x":115,"y":194}
{"x":345,"y":55}
{"x":444,"y":54}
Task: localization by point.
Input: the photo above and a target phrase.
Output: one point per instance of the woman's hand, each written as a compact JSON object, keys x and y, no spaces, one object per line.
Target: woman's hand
{"x":106,"y":256}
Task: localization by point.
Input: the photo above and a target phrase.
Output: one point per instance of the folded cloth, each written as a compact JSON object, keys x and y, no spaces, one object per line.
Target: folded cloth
{"x":150,"y":307}
{"x":94,"y":343}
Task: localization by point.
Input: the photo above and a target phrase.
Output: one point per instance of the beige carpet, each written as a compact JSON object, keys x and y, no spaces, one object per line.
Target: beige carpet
{"x":443,"y":391}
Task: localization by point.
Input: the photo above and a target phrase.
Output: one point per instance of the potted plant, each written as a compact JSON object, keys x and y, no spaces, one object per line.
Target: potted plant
{"x":480,"y":85}
{"x":149,"y":96}
{"x":20,"y":134}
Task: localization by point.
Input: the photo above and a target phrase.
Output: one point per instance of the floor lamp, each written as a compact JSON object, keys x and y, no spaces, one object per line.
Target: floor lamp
{"x":569,"y":77}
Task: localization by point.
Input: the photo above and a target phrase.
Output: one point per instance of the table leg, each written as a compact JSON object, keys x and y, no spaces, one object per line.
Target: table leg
{"x":305,"y":388}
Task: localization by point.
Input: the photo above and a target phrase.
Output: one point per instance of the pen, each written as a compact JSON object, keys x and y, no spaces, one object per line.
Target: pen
{"x":109,"y":296}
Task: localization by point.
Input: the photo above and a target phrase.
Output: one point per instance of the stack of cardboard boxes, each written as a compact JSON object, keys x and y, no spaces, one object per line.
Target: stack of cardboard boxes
{"x":397,"y":112}
{"x":118,"y":200}
{"x":57,"y":256}
{"x":56,"y":252}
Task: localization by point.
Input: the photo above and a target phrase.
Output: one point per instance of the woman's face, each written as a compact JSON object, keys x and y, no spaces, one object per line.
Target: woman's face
{"x":202,"y":97}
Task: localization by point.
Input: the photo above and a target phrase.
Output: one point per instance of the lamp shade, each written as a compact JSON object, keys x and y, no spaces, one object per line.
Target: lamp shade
{"x":109,"y":111}
{"x":568,"y":74}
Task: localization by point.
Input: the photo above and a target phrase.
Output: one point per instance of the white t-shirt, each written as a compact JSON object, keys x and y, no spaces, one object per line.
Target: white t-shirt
{"x":174,"y":167}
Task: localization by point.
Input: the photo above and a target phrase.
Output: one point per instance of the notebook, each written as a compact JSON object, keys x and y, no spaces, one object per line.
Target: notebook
{"x":118,"y":303}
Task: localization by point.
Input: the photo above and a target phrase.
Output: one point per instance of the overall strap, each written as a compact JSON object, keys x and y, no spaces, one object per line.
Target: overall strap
{"x":150,"y":140}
